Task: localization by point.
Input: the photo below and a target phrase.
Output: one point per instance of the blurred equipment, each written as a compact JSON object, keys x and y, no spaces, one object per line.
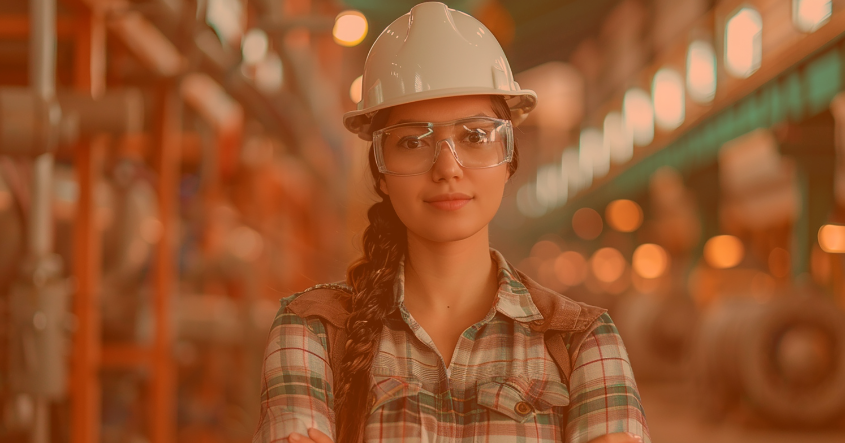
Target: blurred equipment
{"x":784,"y":358}
{"x":759,"y":185}
{"x":659,"y":331}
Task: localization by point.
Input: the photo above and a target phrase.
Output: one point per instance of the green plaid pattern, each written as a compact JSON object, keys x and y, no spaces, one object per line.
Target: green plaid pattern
{"x":502,"y":384}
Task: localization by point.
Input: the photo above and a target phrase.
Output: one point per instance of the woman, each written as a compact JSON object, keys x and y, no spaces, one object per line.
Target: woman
{"x":434,"y":336}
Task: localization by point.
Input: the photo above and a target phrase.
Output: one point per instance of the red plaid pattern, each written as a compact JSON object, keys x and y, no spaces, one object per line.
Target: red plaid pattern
{"x":502,"y":384}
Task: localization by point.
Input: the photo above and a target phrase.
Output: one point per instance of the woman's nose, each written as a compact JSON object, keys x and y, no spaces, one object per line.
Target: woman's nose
{"x":446,"y":165}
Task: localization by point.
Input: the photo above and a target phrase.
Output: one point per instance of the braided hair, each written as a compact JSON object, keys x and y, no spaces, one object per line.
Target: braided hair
{"x":371,"y":278}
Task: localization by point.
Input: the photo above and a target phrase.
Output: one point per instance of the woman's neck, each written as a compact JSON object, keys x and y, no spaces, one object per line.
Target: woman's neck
{"x":450,"y":278}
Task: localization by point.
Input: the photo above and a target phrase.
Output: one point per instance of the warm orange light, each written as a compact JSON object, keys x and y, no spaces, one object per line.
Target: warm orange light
{"x":355,"y":91}
{"x":832,"y":238}
{"x":350,"y":28}
{"x":809,"y":15}
{"x":245,"y":243}
{"x":723,"y":251}
{"x":639,"y":116}
{"x":618,"y":138}
{"x":586,"y":223}
{"x":570,"y":268}
{"x":701,"y":71}
{"x":743,"y":43}
{"x":269,"y":73}
{"x":607,"y":265}
{"x":667,"y":93}
{"x":624,"y":215}
{"x":593,"y":152}
{"x":254,"y":46}
{"x":650,"y":260}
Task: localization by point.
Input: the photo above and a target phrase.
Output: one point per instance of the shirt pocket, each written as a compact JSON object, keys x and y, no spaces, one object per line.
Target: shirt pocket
{"x":389,"y":389}
{"x":521,"y":399}
{"x":394,"y":410}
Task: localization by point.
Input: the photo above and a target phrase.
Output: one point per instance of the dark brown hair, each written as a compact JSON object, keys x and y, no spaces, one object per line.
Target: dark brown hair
{"x":371,"y":278}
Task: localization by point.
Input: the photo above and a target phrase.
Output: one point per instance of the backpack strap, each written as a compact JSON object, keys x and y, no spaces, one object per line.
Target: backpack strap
{"x":331,"y":304}
{"x":561,"y":316}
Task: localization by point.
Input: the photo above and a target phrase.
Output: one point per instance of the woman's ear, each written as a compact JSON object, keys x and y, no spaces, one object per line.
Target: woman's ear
{"x":382,"y":184}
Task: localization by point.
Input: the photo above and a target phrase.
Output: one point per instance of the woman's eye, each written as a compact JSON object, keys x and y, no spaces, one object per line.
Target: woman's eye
{"x":476,"y":137}
{"x":410,"y":143}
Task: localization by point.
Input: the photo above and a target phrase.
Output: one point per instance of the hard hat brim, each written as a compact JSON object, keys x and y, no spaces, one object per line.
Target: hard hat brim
{"x":520,"y":102}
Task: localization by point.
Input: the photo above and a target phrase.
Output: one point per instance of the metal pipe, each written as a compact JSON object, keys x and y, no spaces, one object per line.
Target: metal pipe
{"x":42,"y":78}
{"x":42,"y":44}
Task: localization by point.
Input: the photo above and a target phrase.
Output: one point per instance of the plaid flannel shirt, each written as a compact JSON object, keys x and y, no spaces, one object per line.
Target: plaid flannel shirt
{"x":502,"y":384}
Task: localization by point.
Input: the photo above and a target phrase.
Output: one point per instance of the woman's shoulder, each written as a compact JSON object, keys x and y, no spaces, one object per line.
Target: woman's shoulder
{"x":561,"y":312}
{"x":318,"y":291}
{"x":326,"y":301}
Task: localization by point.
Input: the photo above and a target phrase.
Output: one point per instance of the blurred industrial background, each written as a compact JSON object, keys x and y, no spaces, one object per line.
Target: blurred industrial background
{"x":169,"y":169}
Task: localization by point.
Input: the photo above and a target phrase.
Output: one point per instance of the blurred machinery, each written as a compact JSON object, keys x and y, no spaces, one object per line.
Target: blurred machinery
{"x":783,"y":358}
{"x":148,"y":227}
{"x":170,"y":168}
{"x":698,"y":198}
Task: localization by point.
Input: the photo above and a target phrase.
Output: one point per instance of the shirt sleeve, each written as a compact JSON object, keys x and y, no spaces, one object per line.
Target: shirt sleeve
{"x":603,"y":394}
{"x":296,"y":391}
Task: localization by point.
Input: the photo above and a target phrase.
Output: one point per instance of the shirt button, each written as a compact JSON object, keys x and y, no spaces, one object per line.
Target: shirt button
{"x":372,"y":402}
{"x":523,"y":408}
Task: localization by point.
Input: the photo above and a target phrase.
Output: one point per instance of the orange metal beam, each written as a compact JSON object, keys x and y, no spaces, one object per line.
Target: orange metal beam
{"x":85,"y":397}
{"x":126,"y":356}
{"x":163,"y":386}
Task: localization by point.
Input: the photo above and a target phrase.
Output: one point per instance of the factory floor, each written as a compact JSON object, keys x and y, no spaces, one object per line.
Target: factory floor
{"x":673,"y":418}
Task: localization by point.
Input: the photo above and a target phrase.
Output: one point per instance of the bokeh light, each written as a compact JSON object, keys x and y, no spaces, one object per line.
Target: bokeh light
{"x":832,"y":238}
{"x":593,"y":152}
{"x":723,"y":251}
{"x":254,"y":46}
{"x":809,"y":15}
{"x":607,"y":265}
{"x":624,"y":215}
{"x":269,"y":73}
{"x":570,"y":268}
{"x":701,"y":71}
{"x":245,"y":243}
{"x":618,"y":140}
{"x":667,"y":92}
{"x":527,"y":203}
{"x":350,"y":28}
{"x":587,"y":224}
{"x":639,"y":116}
{"x":743,"y":43}
{"x":355,"y":90}
{"x":650,"y":260}
{"x":551,"y":186}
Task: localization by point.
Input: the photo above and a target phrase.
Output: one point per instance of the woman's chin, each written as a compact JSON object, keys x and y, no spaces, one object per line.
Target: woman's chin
{"x":440,"y":233}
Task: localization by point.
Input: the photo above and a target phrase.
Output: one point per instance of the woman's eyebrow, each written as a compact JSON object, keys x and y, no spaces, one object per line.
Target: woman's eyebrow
{"x":481,"y":114}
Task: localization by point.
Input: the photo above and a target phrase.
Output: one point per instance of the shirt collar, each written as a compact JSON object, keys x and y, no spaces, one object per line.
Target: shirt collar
{"x":512,"y":300}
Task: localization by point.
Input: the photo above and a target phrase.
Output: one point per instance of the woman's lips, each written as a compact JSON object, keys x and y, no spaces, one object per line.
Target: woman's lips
{"x":450,"y":205}
{"x":451,"y":201}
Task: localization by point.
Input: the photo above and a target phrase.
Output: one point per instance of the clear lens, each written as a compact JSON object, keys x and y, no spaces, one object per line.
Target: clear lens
{"x":412,"y":148}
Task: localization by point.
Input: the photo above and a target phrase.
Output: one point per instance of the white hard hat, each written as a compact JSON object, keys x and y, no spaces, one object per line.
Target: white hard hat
{"x":433,"y":52}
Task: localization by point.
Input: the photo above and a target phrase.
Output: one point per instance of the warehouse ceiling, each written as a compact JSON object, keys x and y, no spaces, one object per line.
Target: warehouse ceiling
{"x":543,"y":30}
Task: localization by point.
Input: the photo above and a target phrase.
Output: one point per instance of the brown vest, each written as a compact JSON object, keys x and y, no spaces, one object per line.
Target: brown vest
{"x":561,"y":316}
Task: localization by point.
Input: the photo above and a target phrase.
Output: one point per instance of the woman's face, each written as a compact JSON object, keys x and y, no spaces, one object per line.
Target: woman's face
{"x":473,"y":195}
